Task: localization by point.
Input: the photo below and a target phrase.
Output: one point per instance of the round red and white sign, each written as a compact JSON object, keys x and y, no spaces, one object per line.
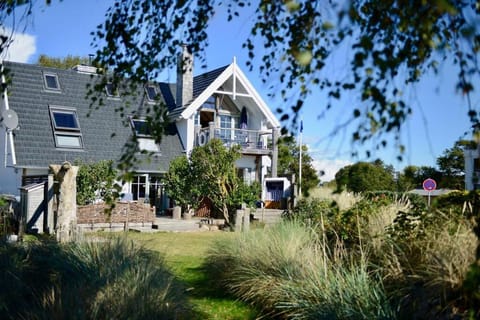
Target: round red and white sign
{"x":429,"y":184}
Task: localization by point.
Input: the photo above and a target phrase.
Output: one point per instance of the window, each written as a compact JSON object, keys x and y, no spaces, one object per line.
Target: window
{"x":209,"y":104}
{"x":139,"y":187}
{"x":226,"y":127}
{"x":66,"y":128}
{"x":150,"y":188}
{"x":111,"y":90}
{"x":51,"y":81}
{"x":65,"y":119}
{"x":141,"y":128}
{"x":151,"y":92}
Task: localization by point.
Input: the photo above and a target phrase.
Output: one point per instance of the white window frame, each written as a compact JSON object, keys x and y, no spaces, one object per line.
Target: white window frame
{"x":110,"y":93}
{"x":69,"y":132}
{"x":45,"y":82}
{"x":145,"y":141}
{"x":133,"y":121}
{"x":149,"y":99}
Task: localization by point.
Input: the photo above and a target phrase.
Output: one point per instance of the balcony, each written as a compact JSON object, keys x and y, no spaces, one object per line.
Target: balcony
{"x":251,"y":141}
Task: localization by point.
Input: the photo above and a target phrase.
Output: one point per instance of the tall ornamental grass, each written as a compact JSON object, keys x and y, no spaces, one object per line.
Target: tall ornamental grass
{"x":422,"y":256}
{"x":288,"y":272}
{"x":108,"y":280}
{"x":344,"y":200}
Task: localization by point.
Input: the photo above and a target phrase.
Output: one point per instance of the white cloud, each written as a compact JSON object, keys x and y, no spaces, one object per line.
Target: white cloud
{"x":21,"y":48}
{"x":330,"y":167}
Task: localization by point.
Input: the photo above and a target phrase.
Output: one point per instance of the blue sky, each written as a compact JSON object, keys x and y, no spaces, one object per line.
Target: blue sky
{"x":439,"y":118}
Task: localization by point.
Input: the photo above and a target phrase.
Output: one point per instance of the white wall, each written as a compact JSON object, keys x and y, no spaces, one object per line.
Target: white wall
{"x":36,"y":172}
{"x":186,"y":131}
{"x":470,"y":156}
{"x":245,"y":162}
{"x":10,"y":180}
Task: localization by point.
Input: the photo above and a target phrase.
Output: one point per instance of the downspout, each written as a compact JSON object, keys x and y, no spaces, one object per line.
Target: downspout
{"x":275,"y":136}
{"x":234,"y":78}
{"x":9,"y":131}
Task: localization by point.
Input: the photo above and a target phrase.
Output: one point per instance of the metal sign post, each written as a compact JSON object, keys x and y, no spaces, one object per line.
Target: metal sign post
{"x":429,"y":185}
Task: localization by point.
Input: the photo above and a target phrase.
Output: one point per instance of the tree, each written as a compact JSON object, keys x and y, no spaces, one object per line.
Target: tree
{"x":450,"y":172}
{"x":210,"y":173}
{"x":67,"y":62}
{"x":452,"y":165}
{"x":288,"y":163}
{"x":366,"y":176}
{"x":96,"y":181}
{"x":389,"y":44}
{"x":408,"y":179}
{"x":179,"y":183}
{"x":341,"y":178}
{"x":412,"y":177}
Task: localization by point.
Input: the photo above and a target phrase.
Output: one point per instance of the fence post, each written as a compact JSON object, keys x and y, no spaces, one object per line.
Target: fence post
{"x":246,"y":220}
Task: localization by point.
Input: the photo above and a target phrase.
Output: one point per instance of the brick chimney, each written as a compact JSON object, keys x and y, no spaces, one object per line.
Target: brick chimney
{"x":184,"y":77}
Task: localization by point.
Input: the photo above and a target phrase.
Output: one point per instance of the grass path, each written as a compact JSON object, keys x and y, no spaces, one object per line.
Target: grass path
{"x":185,"y":253}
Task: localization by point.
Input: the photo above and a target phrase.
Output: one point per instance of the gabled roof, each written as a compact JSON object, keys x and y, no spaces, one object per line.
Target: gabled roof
{"x":207,"y":84}
{"x":200,"y":84}
{"x":34,"y":140}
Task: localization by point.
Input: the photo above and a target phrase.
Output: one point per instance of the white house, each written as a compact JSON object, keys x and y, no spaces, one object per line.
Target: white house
{"x":54,"y":124}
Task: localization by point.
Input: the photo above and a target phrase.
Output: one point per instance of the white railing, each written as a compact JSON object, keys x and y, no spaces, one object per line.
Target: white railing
{"x":246,"y":139}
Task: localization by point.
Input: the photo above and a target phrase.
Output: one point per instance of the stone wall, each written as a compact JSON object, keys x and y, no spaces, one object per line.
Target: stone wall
{"x":124,"y":212}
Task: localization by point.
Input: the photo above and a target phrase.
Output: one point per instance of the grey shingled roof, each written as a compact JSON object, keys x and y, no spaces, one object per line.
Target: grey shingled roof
{"x":200,"y":83}
{"x":34,"y":141}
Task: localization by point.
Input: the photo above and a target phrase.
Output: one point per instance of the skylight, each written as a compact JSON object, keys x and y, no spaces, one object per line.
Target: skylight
{"x":111,"y":90}
{"x":151,"y":92}
{"x":51,"y":81}
{"x":143,"y":132}
{"x":66,"y":129}
{"x":65,"y":120}
{"x":141,"y":127}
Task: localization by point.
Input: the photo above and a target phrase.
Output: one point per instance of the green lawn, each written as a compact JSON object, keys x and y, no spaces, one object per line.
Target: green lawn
{"x":184,"y":253}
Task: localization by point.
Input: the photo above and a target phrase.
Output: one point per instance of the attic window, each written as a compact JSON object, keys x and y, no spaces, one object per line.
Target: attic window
{"x":51,"y":81}
{"x":141,"y":127}
{"x":66,"y":129}
{"x":151,"y":92}
{"x":111,"y":90}
{"x":143,"y":133}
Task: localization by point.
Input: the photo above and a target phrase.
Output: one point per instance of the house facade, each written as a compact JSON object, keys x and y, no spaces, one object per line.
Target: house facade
{"x":55,"y":123}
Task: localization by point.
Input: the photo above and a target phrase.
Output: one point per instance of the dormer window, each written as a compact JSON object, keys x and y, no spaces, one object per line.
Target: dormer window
{"x":151,"y":92}
{"x":111,"y":90}
{"x":66,"y":128}
{"x":51,"y":81}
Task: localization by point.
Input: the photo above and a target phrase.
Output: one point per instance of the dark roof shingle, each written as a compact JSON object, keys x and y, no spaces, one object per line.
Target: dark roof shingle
{"x":104,"y":132}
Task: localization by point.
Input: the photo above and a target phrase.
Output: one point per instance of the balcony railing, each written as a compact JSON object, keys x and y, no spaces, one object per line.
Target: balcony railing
{"x":248,"y":140}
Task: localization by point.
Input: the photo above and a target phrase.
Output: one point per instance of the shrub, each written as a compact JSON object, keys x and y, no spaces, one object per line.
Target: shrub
{"x":311,"y":210}
{"x":96,"y":181}
{"x":8,"y":221}
{"x":114,"y":280}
